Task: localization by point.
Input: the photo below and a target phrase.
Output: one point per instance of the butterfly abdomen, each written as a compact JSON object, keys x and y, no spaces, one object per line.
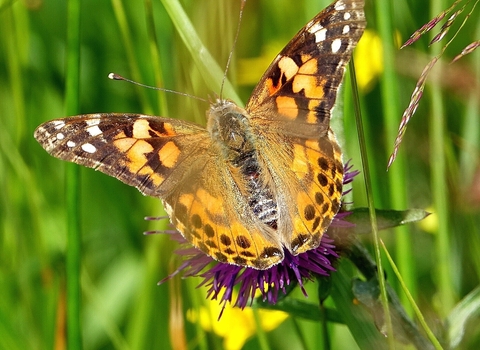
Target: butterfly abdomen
{"x":259,"y":195}
{"x":229,"y":127}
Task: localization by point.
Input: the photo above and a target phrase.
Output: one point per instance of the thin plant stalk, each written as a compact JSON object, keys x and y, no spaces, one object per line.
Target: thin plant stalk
{"x":73,"y":259}
{"x":126,"y":33}
{"x":371,"y":206}
{"x":410,"y":298}
{"x":392,"y":113}
{"x":438,"y":182}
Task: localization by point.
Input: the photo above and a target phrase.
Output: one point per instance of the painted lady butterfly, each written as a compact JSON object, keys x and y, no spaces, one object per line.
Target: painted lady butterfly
{"x":255,"y":181}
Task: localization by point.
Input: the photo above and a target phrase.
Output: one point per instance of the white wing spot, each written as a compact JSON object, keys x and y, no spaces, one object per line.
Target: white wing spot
{"x":94,"y":130}
{"x":315,"y":28}
{"x":339,"y":6}
{"x":71,"y":144}
{"x":346,"y":29}
{"x":346,"y":16}
{"x":58,"y":124}
{"x":93,"y":122}
{"x":336,"y":45}
{"x":321,"y":35}
{"x":89,"y":148}
{"x":60,"y":136}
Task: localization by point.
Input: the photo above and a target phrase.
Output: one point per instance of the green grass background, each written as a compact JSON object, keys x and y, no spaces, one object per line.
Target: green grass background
{"x":121,"y":307}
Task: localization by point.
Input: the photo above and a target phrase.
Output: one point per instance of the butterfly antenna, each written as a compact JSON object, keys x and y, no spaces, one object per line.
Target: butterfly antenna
{"x":242,"y":5}
{"x":115,"y":76}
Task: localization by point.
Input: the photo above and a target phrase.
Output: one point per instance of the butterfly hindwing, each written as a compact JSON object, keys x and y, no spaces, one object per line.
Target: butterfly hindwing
{"x":201,"y":207}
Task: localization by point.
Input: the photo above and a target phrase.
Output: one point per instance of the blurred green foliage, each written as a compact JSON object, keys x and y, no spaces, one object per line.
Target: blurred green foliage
{"x":122,"y":307}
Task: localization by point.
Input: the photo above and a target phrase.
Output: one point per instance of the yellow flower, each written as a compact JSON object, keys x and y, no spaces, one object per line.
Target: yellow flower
{"x":430,"y":223}
{"x":368,"y":58}
{"x":251,"y":69}
{"x":236,"y":325}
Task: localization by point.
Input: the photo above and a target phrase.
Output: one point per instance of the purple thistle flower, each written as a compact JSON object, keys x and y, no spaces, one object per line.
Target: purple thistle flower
{"x":222,"y":278}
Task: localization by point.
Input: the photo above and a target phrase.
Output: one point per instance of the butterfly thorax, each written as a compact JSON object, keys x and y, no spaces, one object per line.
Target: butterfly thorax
{"x":229,"y":128}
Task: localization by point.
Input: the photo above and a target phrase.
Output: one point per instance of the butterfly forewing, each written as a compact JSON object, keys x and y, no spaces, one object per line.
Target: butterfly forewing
{"x":142,"y":151}
{"x":301,"y":84}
